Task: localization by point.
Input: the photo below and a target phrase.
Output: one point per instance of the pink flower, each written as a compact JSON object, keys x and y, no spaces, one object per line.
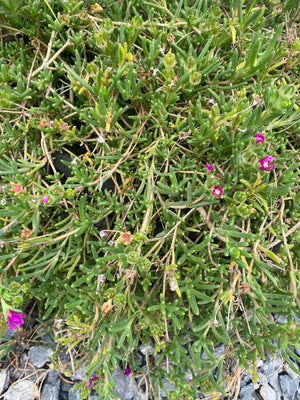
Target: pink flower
{"x":259,"y":138}
{"x":15,"y":319}
{"x":91,"y":381}
{"x":209,"y":167}
{"x":127,"y":370}
{"x":126,"y":238}
{"x":45,"y":199}
{"x":266,"y":163}
{"x":294,"y":327}
{"x":17,"y":188}
{"x":218,"y":190}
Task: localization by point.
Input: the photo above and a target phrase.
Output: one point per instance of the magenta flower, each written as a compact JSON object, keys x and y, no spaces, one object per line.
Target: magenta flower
{"x":294,"y":327}
{"x":91,"y":381}
{"x":15,"y":319}
{"x":266,"y":163}
{"x":45,"y":199}
{"x":127,"y":370}
{"x":259,"y":138}
{"x":218,"y":190}
{"x":209,"y":167}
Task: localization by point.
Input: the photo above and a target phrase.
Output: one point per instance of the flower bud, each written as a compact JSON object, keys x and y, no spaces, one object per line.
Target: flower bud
{"x":144,"y":264}
{"x":195,"y":78}
{"x":132,"y":257}
{"x":169,"y":61}
{"x":17,"y":301}
{"x":239,"y":196}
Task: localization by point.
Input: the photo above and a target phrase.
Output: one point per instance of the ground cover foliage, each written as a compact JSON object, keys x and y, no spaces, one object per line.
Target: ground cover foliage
{"x":113,"y":222}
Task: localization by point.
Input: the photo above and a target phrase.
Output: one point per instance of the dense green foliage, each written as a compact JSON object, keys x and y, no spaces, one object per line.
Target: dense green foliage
{"x":140,"y":239}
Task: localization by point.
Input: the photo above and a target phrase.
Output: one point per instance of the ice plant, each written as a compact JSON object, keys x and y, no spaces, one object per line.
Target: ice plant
{"x":259,"y":138}
{"x":209,"y":167}
{"x":126,"y":238}
{"x":266,"y":163}
{"x":91,"y":381}
{"x":45,"y":199}
{"x":127,"y":370}
{"x":17,"y":188}
{"x":15,"y":319}
{"x":218,"y":190}
{"x":25,"y":233}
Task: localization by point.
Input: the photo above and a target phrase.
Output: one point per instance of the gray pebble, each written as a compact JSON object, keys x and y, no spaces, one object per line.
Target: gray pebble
{"x":168,"y":387}
{"x":79,"y":375}
{"x":288,"y":386}
{"x":39,"y":356}
{"x":7,"y":335}
{"x":66,"y":386}
{"x":147,"y":349}
{"x":219,"y":350}
{"x":293,"y":374}
{"x":52,"y":377}
{"x":247,"y":393}
{"x":141,"y":396}
{"x":280,"y":320}
{"x":138,"y":356}
{"x":267,"y":393}
{"x":262,"y":378}
{"x":47,"y":340}
{"x":4,"y":380}
{"x":126,"y":385}
{"x":246,"y":379}
{"x":50,"y":392}
{"x":22,"y":390}
{"x":74,"y":394}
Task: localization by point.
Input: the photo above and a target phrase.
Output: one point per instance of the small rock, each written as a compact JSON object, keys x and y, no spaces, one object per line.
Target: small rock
{"x":126,"y":385}
{"x":47,"y":340}
{"x":188,"y":375}
{"x":141,"y":396}
{"x":288,"y":386}
{"x":15,"y":373}
{"x":293,"y":374}
{"x":147,"y":349}
{"x":52,"y":377}
{"x":65,"y":386}
{"x":274,"y":382}
{"x":270,"y":368}
{"x":267,"y":393}
{"x":63,"y":395}
{"x":64,"y":357}
{"x":4,"y":380}
{"x":39,"y":356}
{"x":22,"y":390}
{"x":246,"y":379}
{"x":138,"y":356}
{"x":79,"y":375}
{"x":168,"y":387}
{"x":262,"y":378}
{"x":247,"y":393}
{"x":74,"y":394}
{"x":50,"y":392}
{"x":219,"y":350}
{"x":280,"y":319}
{"x":7,"y":335}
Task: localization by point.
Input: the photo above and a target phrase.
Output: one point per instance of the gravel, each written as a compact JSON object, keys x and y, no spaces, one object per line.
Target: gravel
{"x":36,"y":379}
